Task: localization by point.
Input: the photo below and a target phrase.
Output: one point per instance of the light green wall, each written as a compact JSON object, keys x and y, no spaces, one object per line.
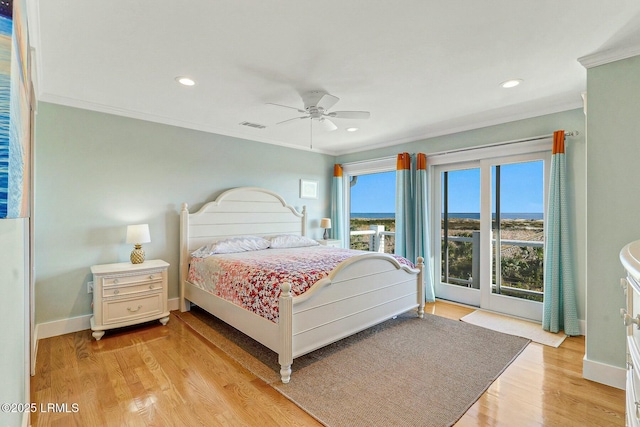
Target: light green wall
{"x":573,"y":120}
{"x":96,"y":173}
{"x":14,"y":354}
{"x":613,"y":212}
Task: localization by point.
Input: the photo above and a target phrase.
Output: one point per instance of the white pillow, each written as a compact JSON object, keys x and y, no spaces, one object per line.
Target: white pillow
{"x":231,"y":245}
{"x":291,"y":241}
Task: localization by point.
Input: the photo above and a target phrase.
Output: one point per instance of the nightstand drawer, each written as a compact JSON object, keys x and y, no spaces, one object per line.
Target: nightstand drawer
{"x":115,"y":311}
{"x":120,"y":290}
{"x":132,"y":279}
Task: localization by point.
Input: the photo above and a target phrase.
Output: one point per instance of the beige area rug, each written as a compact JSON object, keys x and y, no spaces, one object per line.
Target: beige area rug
{"x":513,"y":326}
{"x":403,"y":372}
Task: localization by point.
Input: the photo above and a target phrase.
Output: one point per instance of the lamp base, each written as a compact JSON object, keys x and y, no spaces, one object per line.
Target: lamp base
{"x":137,"y":255}
{"x":325,"y":236}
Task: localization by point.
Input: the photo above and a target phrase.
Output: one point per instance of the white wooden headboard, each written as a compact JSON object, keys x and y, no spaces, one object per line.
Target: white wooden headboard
{"x":236,"y":212}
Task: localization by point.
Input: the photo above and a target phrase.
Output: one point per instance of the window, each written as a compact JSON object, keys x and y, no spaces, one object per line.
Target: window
{"x":372,"y":211}
{"x":518,"y":229}
{"x":370,"y":193}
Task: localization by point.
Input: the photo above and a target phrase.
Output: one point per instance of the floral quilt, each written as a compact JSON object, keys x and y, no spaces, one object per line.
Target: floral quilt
{"x":252,"y":279}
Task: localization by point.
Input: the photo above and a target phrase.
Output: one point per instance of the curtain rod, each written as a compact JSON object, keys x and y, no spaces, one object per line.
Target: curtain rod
{"x":495,"y":144}
{"x":499,"y":144}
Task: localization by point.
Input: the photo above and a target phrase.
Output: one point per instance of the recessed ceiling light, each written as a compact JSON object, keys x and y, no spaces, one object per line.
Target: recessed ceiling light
{"x":186,"y":81}
{"x":511,"y":83}
{"x":352,"y":129}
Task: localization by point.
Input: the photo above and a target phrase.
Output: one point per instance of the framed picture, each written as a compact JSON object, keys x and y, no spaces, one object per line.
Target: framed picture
{"x":308,"y":189}
{"x":15,"y":112}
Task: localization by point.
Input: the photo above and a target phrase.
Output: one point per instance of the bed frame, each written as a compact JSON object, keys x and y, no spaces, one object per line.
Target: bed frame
{"x":362,"y":291}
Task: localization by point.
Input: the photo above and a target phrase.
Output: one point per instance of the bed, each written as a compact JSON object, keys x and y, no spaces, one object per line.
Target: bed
{"x":361,"y":291}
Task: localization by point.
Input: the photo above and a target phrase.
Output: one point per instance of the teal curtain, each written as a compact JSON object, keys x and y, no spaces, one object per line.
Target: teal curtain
{"x":412,"y":222}
{"x":404,"y":245}
{"x":338,"y":226}
{"x":560,"y":307}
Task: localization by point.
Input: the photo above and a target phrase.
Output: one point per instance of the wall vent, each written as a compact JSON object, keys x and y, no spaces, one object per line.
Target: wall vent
{"x":253,"y":125}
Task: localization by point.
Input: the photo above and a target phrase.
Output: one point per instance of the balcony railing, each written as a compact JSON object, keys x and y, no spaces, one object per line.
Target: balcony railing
{"x":498,"y":287}
{"x":378,"y":238}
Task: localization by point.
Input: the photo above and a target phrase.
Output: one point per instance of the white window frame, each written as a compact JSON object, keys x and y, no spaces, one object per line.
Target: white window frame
{"x":385,"y":164}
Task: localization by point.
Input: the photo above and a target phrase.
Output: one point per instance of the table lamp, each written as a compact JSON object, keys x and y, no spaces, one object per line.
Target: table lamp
{"x":138,"y":234}
{"x":326,"y":224}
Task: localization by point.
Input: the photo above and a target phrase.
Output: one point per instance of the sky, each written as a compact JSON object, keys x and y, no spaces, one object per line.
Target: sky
{"x":374,"y":193}
{"x":521,"y":186}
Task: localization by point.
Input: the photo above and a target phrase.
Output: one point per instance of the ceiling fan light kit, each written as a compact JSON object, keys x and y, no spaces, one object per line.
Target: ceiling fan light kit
{"x":316,"y":106}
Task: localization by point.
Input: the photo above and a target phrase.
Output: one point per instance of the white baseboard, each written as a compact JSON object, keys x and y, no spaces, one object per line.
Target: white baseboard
{"x":605,"y":374}
{"x":75,"y":324}
{"x":62,"y":326}
{"x":174,"y":304}
{"x":582,"y":324}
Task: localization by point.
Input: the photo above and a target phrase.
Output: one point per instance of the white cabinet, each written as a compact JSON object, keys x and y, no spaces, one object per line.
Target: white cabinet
{"x":331,"y":242}
{"x":630,"y":258}
{"x":126,"y":294}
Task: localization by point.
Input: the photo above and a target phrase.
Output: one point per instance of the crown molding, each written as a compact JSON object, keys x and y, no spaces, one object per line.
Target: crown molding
{"x":608,"y":55}
{"x":139,"y":115}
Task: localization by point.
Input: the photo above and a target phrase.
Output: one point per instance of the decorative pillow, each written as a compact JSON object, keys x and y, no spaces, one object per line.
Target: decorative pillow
{"x":231,"y":245}
{"x":291,"y":241}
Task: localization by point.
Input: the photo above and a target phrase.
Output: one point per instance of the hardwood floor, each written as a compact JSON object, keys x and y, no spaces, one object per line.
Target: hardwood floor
{"x":542,"y":387}
{"x":170,"y":376}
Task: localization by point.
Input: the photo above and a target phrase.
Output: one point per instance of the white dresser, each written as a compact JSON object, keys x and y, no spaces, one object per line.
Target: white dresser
{"x":630,"y":258}
{"x":125,"y":294}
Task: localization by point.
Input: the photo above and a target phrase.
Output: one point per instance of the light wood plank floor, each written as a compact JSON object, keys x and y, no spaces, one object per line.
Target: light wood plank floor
{"x":169,"y":376}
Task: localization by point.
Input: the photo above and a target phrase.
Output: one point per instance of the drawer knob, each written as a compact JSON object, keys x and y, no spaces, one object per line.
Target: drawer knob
{"x":628,"y":320}
{"x":116,"y":292}
{"x":134,"y":310}
{"x":150,"y":286}
{"x":115,"y":281}
{"x":151,"y":276}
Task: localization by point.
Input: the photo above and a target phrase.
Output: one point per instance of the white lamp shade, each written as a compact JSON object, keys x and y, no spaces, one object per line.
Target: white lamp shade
{"x":325,"y":223}
{"x":138,"y":233}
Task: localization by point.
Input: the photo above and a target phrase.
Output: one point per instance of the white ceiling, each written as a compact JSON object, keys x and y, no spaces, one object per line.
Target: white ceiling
{"x":421,"y":67}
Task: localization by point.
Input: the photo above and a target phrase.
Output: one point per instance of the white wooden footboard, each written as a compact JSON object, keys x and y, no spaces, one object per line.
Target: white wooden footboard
{"x":361,"y":292}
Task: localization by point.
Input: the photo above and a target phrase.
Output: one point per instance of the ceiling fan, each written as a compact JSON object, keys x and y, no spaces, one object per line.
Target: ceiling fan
{"x":316,"y":106}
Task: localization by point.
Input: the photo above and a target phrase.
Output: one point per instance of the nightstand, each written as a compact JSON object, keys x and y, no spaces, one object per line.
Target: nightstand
{"x":334,"y":243}
{"x":126,"y":294}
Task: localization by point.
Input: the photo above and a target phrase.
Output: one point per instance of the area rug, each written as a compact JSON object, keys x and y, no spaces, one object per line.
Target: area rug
{"x":403,"y":372}
{"x":514,"y":326}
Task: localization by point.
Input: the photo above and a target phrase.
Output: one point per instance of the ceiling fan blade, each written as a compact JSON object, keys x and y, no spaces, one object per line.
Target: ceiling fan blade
{"x":350,"y":114}
{"x":327,"y":101}
{"x":327,"y":124}
{"x":286,"y":106}
{"x":290,"y":120}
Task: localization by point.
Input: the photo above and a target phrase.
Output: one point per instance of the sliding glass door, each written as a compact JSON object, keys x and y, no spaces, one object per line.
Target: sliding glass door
{"x":459,"y":233}
{"x":491,"y":232}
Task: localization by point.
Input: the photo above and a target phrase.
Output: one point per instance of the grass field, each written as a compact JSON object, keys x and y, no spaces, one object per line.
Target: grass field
{"x":512,"y":229}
